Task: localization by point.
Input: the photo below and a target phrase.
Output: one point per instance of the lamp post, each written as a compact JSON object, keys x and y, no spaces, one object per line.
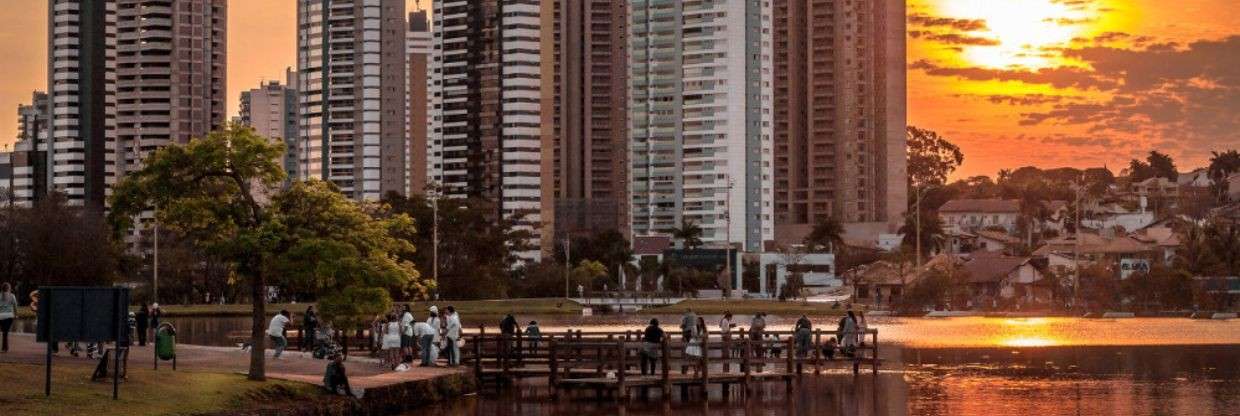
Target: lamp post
{"x":433,"y":193}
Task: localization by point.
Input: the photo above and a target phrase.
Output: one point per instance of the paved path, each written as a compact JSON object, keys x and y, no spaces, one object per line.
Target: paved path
{"x":297,"y":366}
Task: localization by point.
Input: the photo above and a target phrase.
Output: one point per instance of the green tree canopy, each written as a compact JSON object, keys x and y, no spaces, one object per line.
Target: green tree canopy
{"x":223,"y":192}
{"x":827,"y":235}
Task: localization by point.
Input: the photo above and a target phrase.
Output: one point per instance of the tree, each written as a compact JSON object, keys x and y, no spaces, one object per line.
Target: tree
{"x":931,"y":158}
{"x":213,"y":191}
{"x":1033,"y":212}
{"x":941,"y":285}
{"x":1156,"y":164}
{"x":480,"y":266}
{"x":932,"y":234}
{"x":649,"y":270}
{"x":827,"y":235}
{"x":608,"y":247}
{"x":689,"y":234}
{"x":52,"y":243}
{"x":1222,"y":166}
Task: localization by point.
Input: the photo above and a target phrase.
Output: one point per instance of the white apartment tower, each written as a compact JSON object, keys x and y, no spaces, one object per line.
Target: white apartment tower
{"x":351,"y":82}
{"x":700,"y":122}
{"x":486,"y":107}
{"x":81,"y":97}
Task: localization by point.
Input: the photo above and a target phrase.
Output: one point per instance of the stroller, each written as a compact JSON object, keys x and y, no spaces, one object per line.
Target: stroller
{"x":324,"y":346}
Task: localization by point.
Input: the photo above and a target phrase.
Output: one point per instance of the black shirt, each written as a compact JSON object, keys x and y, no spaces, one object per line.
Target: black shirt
{"x":653,"y":334}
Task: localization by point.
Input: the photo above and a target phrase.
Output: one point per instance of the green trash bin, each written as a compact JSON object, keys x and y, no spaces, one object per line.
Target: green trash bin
{"x":166,"y":345}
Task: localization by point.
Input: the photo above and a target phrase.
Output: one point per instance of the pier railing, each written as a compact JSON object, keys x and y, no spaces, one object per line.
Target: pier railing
{"x":612,"y":360}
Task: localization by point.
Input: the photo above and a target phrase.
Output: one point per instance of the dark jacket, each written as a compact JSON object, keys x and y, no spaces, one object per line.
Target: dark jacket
{"x":653,"y":335}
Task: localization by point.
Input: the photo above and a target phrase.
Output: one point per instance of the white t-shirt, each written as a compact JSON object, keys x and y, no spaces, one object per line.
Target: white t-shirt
{"x":276,"y":328}
{"x":406,"y":322}
{"x":725,"y":325}
{"x":453,"y":330}
{"x":422,"y":329}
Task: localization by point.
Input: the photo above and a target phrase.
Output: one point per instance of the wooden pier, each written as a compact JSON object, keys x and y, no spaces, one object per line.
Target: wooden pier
{"x":610,"y":362}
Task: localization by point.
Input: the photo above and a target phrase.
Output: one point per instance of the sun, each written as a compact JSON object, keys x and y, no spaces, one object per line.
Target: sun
{"x":1024,"y":29}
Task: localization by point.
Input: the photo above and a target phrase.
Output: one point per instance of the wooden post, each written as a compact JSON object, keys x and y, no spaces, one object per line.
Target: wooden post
{"x":667,"y":375}
{"x":553,"y":378}
{"x":704,"y":361}
{"x":477,"y":357}
{"x":726,"y":352}
{"x":623,"y":392}
{"x":745,"y":367}
{"x":817,"y":345}
{"x":875,"y":352}
{"x":790,"y":355}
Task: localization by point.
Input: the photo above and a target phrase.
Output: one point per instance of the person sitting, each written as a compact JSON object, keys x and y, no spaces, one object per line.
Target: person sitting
{"x":335,"y":379}
{"x":828,"y":349}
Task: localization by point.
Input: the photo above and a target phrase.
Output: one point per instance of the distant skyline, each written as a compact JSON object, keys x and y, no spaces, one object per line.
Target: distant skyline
{"x":1047,"y":83}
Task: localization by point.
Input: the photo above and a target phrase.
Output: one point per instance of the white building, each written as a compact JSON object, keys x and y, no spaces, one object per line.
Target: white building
{"x":81,"y":97}
{"x":351,"y":79}
{"x":486,"y":107}
{"x":971,"y":215}
{"x":700,"y":122}
{"x":271,"y":109}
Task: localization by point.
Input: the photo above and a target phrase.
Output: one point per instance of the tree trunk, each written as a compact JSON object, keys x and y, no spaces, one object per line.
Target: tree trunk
{"x":258,"y":366}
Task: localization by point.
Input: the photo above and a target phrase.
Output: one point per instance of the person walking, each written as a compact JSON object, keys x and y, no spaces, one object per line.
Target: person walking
{"x":430,"y":338}
{"x":391,"y":341}
{"x":406,"y":334}
{"x":8,"y":313}
{"x":275,"y":332}
{"x":652,"y":343}
{"x":143,"y":322}
{"x":309,"y":328}
{"x":452,"y":334}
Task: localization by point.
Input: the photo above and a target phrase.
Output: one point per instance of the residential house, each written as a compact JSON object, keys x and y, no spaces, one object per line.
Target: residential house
{"x":991,"y":240}
{"x":997,"y":279}
{"x":971,"y":215}
{"x":1125,"y":254}
{"x":1199,"y":178}
{"x":1112,"y":216}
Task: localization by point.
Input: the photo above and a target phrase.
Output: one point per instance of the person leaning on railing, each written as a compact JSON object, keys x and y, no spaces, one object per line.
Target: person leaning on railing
{"x":652,"y":343}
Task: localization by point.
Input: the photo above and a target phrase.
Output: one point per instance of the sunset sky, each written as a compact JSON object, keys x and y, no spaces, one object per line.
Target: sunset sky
{"x":1014,"y":82}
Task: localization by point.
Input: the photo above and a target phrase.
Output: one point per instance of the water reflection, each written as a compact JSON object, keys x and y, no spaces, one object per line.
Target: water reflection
{"x":1113,"y":380}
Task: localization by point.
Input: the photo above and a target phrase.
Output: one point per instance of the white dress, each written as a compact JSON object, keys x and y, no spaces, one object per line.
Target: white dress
{"x":391,"y":337}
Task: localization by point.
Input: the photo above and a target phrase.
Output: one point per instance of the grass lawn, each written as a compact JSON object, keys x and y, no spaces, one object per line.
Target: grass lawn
{"x":747,"y":307}
{"x":147,"y":392}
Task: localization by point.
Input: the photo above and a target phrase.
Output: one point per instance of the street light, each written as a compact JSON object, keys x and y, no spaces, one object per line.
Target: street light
{"x":433,"y":193}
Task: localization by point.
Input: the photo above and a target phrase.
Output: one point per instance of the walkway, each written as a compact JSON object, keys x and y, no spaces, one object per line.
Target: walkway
{"x":364,"y":372}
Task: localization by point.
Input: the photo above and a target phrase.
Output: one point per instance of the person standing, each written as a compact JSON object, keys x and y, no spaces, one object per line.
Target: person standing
{"x":687,"y":324}
{"x":726,"y":325}
{"x":275,"y":332}
{"x":8,"y":313}
{"x":391,"y":341}
{"x":430,"y":338}
{"x":406,"y":333}
{"x":802,"y":335}
{"x":847,"y":331}
{"x":310,"y":328}
{"x":452,"y":333}
{"x":508,"y":333}
{"x":534,"y":335}
{"x":652,"y":343}
{"x":156,"y":313}
{"x":143,"y":320}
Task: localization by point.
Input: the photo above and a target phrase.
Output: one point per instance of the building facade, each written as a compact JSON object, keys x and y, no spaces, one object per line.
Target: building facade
{"x":171,"y":76}
{"x":586,"y":131}
{"x":418,"y":54}
{"x":271,"y":109}
{"x":840,"y":146}
{"x":81,"y":98}
{"x":486,"y":107}
{"x":31,"y":176}
{"x":700,"y":133}
{"x":351,"y":79}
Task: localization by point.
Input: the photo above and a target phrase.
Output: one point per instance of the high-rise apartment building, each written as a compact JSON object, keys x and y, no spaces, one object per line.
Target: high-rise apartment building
{"x":700,"y":119}
{"x":486,"y":108}
{"x":81,"y":97}
{"x":839,"y":113}
{"x":30,"y":162}
{"x":351,"y":83}
{"x":171,"y":75}
{"x":585,"y":133}
{"x":418,"y":54}
{"x":271,"y":109}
